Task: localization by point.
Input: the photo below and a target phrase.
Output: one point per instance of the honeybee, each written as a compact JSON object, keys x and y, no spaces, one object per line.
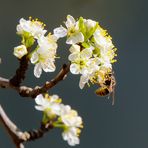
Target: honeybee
{"x":107,"y":86}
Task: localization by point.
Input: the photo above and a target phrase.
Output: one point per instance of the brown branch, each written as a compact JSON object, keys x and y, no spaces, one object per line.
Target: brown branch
{"x":25,"y":91}
{"x":49,"y":84}
{"x":38,"y":133}
{"x":20,"y":72}
{"x":13,"y":131}
{"x":17,"y":135}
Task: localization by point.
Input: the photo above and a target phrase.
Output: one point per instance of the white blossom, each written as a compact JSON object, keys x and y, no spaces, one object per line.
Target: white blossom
{"x":71,"y":31}
{"x":20,"y":51}
{"x":60,"y":32}
{"x":104,"y":43}
{"x":73,"y":123}
{"x":34,"y":27}
{"x":92,"y":48}
{"x":44,"y":56}
{"x":66,"y":117}
{"x":50,"y":104}
{"x":70,"y":135}
{"x":89,"y":72}
{"x":70,"y":117}
{"x":90,"y":24}
{"x":79,"y":59}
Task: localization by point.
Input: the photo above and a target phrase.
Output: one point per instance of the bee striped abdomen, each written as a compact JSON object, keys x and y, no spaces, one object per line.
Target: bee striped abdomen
{"x":102,"y":91}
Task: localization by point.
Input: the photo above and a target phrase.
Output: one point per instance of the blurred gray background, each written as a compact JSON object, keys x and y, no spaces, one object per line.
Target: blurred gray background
{"x":124,"y":125}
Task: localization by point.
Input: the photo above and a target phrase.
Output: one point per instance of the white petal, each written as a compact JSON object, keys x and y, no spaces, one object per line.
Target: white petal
{"x":42,"y":51}
{"x":65,"y":109}
{"x":22,"y":20}
{"x":48,"y":66}
{"x":39,"y":99}
{"x":75,"y":68}
{"x":40,"y":108}
{"x":60,"y":32}
{"x":90,"y":24}
{"x":86,"y":53}
{"x":73,"y":141}
{"x":78,"y":121}
{"x":75,"y":38}
{"x":74,"y":57}
{"x":97,"y":61}
{"x":56,"y":108}
{"x":83,"y":81}
{"x":74,"y":48}
{"x":71,"y":137}
{"x":19,"y":29}
{"x":37,"y":70}
{"x":54,"y":97}
{"x":70,"y":21}
{"x":34,"y":57}
{"x":85,"y":71}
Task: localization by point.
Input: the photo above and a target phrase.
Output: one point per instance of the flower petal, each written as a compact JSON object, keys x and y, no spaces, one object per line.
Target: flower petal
{"x":74,"y":57}
{"x":73,"y":141}
{"x":34,"y":57}
{"x":71,"y":137}
{"x":60,"y":32}
{"x":70,"y":21}
{"x":75,"y":38}
{"x":75,"y":68}
{"x":74,"y":48}
{"x":48,"y":66}
{"x":54,"y":98}
{"x":90,"y":24}
{"x":83,"y":81}
{"x":40,"y":108}
{"x":39,"y":99}
{"x":86,"y":53}
{"x":37,"y":70}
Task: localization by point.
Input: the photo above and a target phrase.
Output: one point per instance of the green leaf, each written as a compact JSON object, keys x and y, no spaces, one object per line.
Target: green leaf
{"x":29,"y":42}
{"x":85,"y":45}
{"x":27,"y":39}
{"x":82,"y":27}
{"x":45,"y":118}
{"x":96,"y":51}
{"x":91,"y":31}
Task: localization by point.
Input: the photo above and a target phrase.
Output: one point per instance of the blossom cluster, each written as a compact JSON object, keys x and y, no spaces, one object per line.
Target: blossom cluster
{"x":62,"y":116}
{"x":43,"y":56}
{"x":92,"y":51}
{"x":92,"y":54}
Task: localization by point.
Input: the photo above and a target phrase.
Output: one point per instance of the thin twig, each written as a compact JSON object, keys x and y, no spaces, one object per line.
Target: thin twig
{"x":26,"y":91}
{"x":17,"y":135}
{"x":13,"y":131}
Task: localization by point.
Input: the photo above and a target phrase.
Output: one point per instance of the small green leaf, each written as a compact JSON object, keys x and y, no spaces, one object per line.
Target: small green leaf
{"x":27,"y":39}
{"x":45,"y":118}
{"x":82,"y":27}
{"x":29,"y":42}
{"x":59,"y":125}
{"x":91,"y":31}
{"x":96,"y":51}
{"x":85,"y":45}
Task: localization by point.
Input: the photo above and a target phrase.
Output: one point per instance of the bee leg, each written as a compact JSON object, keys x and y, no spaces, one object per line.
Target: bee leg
{"x":113,"y":98}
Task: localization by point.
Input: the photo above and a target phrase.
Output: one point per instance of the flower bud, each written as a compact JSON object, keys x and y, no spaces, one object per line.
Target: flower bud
{"x":20,"y":51}
{"x":90,"y":23}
